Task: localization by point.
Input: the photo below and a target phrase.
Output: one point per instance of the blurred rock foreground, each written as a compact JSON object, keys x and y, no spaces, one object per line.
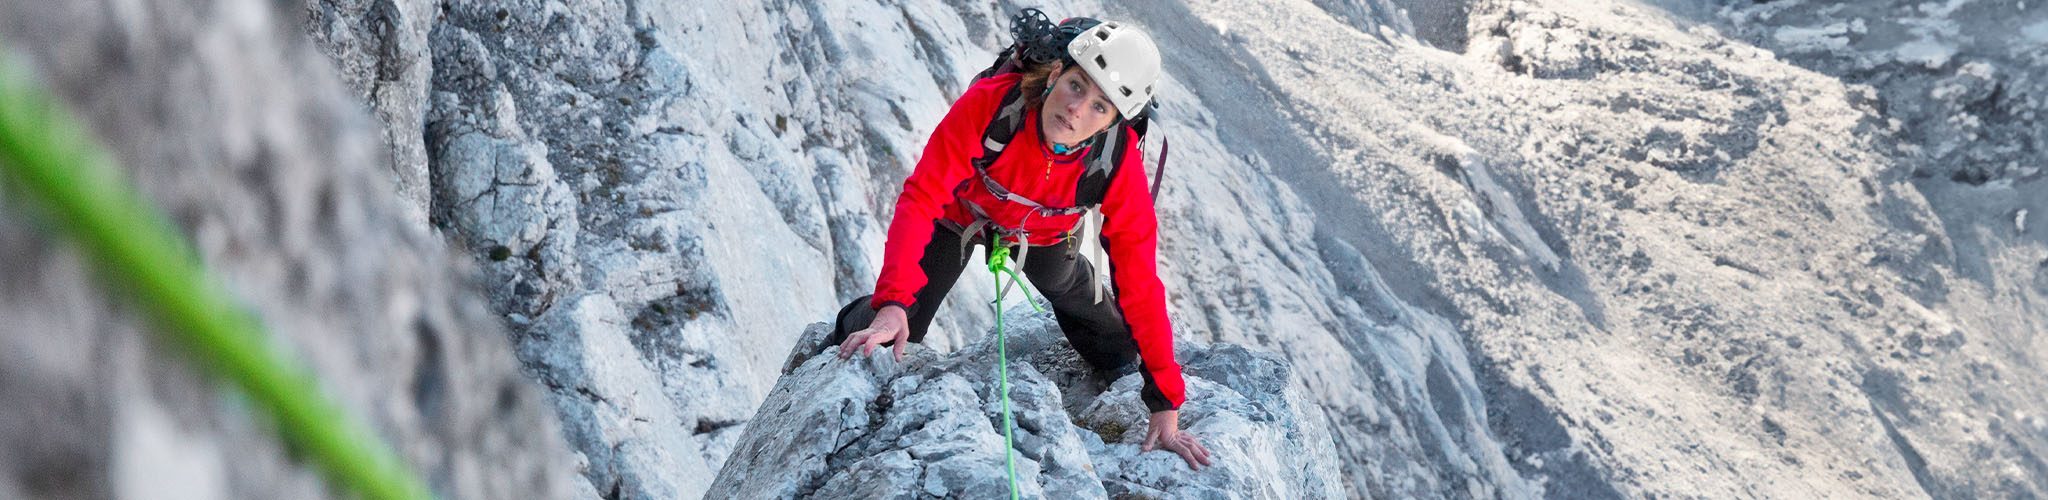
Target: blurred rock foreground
{"x":230,"y":119}
{"x":1467,"y":249}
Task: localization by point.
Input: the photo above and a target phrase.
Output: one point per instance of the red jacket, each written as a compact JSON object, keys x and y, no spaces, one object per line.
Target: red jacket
{"x":1027,"y":167}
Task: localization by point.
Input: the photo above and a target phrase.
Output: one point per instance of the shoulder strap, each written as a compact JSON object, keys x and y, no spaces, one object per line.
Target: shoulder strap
{"x":1159,"y":177}
{"x":1094,"y":185}
{"x":1001,"y":128}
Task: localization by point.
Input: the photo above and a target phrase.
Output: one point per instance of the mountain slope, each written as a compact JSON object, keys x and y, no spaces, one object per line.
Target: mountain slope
{"x":1599,"y":250}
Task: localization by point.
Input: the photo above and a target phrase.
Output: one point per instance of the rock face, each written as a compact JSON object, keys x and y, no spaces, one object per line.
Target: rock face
{"x":231,"y":121}
{"x":1646,"y":233}
{"x":634,"y":208}
{"x":1965,"y":80}
{"x":931,"y":427}
{"x":1511,"y":249}
{"x":1502,"y":249}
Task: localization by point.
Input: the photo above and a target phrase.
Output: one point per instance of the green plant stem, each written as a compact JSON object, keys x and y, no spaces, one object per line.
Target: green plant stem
{"x":47,"y":158}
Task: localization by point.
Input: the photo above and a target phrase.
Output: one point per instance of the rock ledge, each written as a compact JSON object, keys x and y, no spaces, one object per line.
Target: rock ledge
{"x":932,"y":427}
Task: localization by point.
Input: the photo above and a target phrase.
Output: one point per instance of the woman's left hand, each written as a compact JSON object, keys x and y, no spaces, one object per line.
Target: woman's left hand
{"x":1165,"y":433}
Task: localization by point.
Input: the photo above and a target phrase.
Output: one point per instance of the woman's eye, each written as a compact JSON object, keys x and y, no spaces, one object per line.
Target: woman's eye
{"x":1098,"y":108}
{"x":1073,"y":86}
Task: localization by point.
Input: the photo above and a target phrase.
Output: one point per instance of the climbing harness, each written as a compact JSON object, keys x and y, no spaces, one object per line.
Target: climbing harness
{"x":998,"y":265}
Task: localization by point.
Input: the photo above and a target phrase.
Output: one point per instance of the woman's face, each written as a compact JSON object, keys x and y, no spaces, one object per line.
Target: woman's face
{"x":1075,"y":110}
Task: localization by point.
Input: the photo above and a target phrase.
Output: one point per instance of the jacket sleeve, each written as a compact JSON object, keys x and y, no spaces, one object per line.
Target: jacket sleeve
{"x":1130,"y":234}
{"x":955,"y":142}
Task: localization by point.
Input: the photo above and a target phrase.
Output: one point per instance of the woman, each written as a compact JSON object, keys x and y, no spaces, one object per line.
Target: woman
{"x":1066,"y":104}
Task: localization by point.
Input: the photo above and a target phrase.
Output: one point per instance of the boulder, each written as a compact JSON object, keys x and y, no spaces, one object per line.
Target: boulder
{"x":931,"y":426}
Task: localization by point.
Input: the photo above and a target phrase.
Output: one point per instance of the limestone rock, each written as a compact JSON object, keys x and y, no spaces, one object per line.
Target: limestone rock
{"x":931,"y":427}
{"x":229,"y":119}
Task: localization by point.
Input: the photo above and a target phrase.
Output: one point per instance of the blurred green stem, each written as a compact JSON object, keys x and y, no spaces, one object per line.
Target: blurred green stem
{"x":58,"y":169}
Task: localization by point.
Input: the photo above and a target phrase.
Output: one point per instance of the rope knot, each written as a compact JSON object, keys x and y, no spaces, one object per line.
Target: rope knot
{"x":999,"y":265}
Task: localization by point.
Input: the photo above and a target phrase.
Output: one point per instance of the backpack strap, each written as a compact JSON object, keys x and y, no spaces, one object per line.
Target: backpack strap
{"x":1090,"y":247}
{"x":1159,"y":177}
{"x":1001,"y":129}
{"x":1094,"y":184}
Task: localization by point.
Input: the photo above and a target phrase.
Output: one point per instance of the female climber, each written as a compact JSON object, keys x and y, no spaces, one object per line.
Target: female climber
{"x":1030,"y":192}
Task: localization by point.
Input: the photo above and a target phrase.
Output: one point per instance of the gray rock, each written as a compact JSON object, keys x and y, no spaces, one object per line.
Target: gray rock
{"x":931,"y":427}
{"x":378,"y":48}
{"x":627,"y":434}
{"x":599,"y":155}
{"x":1524,"y":260}
{"x":230,"y":121}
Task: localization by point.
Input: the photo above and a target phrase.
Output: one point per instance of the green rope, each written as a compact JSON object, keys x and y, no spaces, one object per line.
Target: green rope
{"x":49,"y":159}
{"x":998,"y":264}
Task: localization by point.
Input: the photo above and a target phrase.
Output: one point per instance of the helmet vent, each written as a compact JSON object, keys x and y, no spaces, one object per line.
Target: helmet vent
{"x":1104,"y":34}
{"x":1148,"y":90}
{"x":1127,"y":90}
{"x":1100,"y":62}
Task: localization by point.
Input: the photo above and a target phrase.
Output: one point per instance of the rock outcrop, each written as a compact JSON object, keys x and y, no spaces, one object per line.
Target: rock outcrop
{"x":931,"y":427}
{"x":1516,"y":249}
{"x":1506,"y":249}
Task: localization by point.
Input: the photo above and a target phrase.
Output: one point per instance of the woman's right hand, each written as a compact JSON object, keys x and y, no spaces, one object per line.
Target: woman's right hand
{"x":891,"y":323}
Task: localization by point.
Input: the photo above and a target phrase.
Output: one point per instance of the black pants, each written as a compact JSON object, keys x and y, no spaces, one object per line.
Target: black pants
{"x":1096,"y":329}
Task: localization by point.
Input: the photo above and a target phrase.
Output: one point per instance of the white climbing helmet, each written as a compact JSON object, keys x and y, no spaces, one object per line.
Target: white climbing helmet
{"x":1123,"y":62}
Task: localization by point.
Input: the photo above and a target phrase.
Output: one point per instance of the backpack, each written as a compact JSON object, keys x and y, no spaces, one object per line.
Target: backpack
{"x":1038,"y":41}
